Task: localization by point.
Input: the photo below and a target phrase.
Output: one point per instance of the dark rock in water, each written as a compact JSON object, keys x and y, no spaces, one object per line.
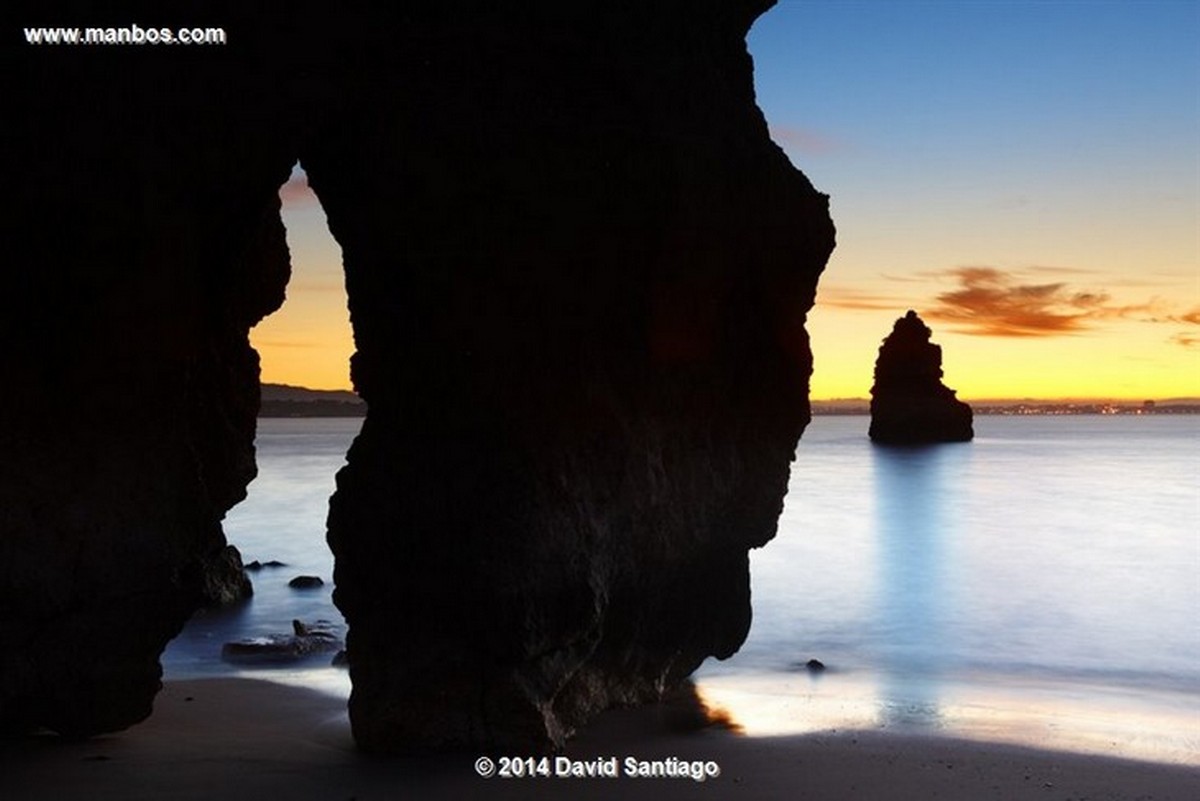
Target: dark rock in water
{"x":815,"y":666}
{"x":306,"y":583}
{"x":256,"y":565}
{"x":580,"y":338}
{"x":305,"y":640}
{"x":223,"y":579}
{"x":909,"y":403}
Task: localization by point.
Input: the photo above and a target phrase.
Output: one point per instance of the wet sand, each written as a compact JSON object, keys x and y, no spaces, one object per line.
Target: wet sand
{"x":236,"y":739}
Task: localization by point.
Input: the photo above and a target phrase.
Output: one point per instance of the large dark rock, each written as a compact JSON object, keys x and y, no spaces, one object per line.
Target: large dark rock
{"x":578,"y":291}
{"x":143,"y":242}
{"x":578,"y":273}
{"x":909,"y":403}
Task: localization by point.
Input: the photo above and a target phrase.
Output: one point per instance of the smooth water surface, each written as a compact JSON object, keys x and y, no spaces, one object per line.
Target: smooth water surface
{"x":1041,"y":583}
{"x":1048,"y":570}
{"x":282,"y":519}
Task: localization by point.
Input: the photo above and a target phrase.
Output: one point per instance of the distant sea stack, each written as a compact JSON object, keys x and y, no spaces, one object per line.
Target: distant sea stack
{"x":909,"y":403}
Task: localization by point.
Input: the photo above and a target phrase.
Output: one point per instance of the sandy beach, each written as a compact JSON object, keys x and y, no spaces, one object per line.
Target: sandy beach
{"x":248,"y":739}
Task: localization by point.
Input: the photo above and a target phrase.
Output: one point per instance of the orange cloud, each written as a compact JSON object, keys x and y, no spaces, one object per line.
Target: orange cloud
{"x":837,"y":297}
{"x":991,"y":303}
{"x":1192,"y":317}
{"x":994,"y":302}
{"x":1187,"y":340}
{"x":1054,"y":270}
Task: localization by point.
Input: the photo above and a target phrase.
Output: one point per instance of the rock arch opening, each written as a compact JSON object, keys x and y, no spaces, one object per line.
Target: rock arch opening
{"x":308,"y":341}
{"x":307,"y":420}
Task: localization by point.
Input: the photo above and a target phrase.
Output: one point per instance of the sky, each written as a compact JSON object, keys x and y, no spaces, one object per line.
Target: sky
{"x":308,"y":342}
{"x":1025,"y":174}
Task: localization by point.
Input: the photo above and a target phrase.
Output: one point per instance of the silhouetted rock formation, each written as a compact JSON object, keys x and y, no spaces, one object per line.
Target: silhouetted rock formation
{"x":144,"y":241}
{"x":578,"y":273}
{"x":909,"y":403}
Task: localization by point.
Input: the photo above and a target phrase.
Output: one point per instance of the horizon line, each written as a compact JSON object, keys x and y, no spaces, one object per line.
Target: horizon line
{"x":867,"y":399}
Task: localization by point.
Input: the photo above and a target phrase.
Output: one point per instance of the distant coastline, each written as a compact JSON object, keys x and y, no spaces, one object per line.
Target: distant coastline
{"x":842,"y":406}
{"x":283,"y":400}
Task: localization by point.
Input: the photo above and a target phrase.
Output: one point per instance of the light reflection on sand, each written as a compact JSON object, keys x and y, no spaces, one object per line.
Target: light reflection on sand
{"x":1154,"y":727}
{"x":1162,"y":727}
{"x":330,"y":681}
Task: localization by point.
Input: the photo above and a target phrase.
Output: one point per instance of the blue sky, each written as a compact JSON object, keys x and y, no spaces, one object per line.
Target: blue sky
{"x":1055,"y":145}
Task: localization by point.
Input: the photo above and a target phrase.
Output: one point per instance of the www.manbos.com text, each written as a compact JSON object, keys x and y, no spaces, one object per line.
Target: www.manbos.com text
{"x":128,"y":35}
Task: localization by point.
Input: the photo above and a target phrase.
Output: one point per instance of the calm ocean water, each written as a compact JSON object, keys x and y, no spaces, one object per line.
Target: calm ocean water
{"x":1041,"y":583}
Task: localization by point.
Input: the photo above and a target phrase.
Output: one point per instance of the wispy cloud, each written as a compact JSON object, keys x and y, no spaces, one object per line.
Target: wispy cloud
{"x":806,"y":141}
{"x":1034,"y":301}
{"x":994,"y":302}
{"x":1192,"y":317}
{"x":1188,"y":339}
{"x":838,"y":297}
{"x":1051,"y":269}
{"x":316,"y":286}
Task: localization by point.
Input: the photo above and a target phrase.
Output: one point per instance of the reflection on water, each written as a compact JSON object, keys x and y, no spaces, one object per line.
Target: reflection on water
{"x":911,"y":524}
{"x":1036,"y":586}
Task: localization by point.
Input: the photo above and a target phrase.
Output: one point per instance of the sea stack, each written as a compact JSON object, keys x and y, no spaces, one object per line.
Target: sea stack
{"x":909,"y":403}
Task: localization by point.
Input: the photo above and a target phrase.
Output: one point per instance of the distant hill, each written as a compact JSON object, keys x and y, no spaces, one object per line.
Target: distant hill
{"x":841,"y":406}
{"x":283,"y":400}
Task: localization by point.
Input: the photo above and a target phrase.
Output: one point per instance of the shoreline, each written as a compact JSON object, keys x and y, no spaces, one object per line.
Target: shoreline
{"x":1147,"y":724}
{"x":237,"y":738}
